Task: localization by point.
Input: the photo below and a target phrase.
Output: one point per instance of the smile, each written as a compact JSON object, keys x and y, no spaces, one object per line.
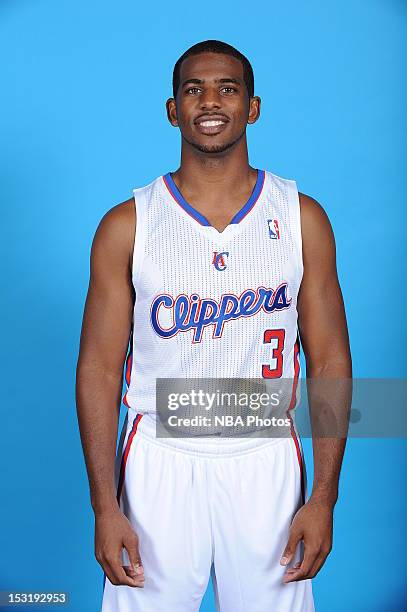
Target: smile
{"x":211,"y":126}
{"x":211,"y":123}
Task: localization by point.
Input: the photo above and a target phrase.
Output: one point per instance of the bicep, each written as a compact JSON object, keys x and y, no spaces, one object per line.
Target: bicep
{"x":321,"y":312}
{"x":109,"y":302}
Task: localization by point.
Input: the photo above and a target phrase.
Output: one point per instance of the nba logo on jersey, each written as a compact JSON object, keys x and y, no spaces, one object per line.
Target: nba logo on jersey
{"x":274,"y":230}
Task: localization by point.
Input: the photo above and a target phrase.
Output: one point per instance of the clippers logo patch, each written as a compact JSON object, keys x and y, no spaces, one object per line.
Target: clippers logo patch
{"x":219,"y":260}
{"x":274,"y":230}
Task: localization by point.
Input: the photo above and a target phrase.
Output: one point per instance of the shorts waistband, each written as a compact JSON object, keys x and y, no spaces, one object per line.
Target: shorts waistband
{"x":204,"y":446}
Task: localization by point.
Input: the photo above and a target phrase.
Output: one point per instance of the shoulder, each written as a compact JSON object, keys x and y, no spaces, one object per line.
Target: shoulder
{"x":318,"y":241}
{"x":119,"y":216}
{"x":116,"y":230}
{"x":312,"y":213}
{"x":317,"y":236}
{"x":314,"y":219}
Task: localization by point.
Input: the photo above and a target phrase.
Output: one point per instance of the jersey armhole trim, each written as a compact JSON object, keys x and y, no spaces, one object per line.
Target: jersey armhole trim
{"x":295,"y":213}
{"x":140,"y":236}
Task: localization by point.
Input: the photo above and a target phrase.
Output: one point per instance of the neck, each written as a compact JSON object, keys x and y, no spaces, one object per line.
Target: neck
{"x":212,"y":172}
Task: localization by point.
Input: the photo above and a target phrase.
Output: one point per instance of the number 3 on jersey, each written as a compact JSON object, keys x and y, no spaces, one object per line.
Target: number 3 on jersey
{"x":277,"y":338}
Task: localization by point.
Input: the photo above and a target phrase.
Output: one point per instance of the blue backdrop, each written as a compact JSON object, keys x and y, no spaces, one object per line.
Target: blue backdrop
{"x":83,"y":122}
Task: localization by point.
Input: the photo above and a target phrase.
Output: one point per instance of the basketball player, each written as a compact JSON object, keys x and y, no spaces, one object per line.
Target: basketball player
{"x":212,"y":271}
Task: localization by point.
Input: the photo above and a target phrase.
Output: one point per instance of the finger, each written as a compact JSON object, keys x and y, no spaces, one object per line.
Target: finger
{"x":289,"y":551}
{"x":135,"y":570}
{"x":110,"y":573}
{"x":116,"y":574}
{"x":138,"y":580}
{"x":131,"y":546}
{"x":295,"y":575}
{"x":319,"y":562}
{"x":301,"y":572}
{"x":292,"y":569}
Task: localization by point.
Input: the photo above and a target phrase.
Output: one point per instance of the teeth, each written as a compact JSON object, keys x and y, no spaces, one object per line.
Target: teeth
{"x":211,"y":123}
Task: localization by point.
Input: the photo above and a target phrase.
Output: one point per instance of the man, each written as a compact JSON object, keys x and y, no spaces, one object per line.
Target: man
{"x":211,"y":271}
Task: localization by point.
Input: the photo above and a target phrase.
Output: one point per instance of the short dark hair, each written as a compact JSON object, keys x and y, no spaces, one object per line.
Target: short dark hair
{"x":214,"y":46}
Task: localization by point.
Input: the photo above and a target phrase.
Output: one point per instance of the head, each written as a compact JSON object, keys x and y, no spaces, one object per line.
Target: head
{"x":213,"y":97}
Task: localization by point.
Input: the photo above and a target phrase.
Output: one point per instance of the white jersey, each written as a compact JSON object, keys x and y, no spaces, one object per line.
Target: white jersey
{"x":212,"y":304}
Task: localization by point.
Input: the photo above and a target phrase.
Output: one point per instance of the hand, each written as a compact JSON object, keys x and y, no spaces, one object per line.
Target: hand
{"x":313,"y":525}
{"x":113,"y":531}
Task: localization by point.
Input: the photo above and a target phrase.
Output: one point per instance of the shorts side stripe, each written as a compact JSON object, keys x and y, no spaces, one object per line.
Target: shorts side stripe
{"x":292,"y":404}
{"x":126,"y":454}
{"x":123,"y":468}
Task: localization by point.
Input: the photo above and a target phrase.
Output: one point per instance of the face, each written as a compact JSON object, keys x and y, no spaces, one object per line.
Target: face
{"x":212,"y":107}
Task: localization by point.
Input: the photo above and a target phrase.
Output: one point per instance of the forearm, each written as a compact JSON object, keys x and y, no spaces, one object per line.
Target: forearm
{"x":328,"y":455}
{"x":329,"y":395}
{"x":98,"y":397}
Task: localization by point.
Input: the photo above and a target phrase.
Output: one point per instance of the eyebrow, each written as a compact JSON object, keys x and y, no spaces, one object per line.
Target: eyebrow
{"x":201,"y":81}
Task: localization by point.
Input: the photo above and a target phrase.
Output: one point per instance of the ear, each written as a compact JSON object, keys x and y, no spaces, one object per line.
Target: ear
{"x":254,"y":109}
{"x":172,"y":112}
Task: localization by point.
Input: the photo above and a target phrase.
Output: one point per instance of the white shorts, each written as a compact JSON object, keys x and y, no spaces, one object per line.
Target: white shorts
{"x":199,"y":506}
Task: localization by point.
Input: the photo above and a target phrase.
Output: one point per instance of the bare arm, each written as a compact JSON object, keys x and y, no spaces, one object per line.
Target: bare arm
{"x":104,"y":340}
{"x":324,"y":337}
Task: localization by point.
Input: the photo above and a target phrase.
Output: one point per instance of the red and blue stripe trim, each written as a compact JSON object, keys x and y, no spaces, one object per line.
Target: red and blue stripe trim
{"x":199,"y":217}
{"x":125,"y":455}
{"x":127,"y":371}
{"x":251,"y":202}
{"x":291,"y":406}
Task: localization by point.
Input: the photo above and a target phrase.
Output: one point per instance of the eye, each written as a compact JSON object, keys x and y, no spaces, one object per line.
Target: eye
{"x":229,"y":90}
{"x":192,"y":90}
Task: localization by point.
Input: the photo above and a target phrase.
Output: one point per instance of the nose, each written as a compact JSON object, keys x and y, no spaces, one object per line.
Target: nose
{"x":210,"y":99}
